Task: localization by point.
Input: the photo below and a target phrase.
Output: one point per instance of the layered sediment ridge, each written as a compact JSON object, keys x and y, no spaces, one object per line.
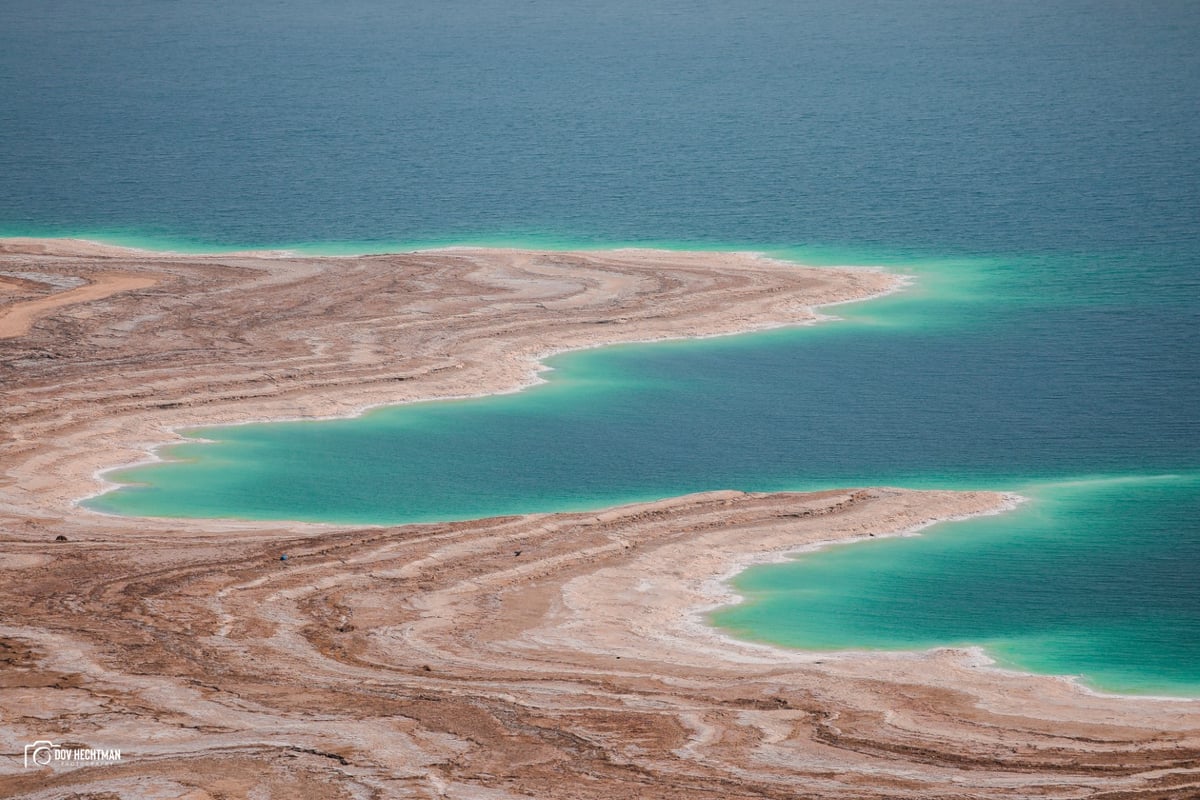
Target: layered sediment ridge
{"x":553,"y":655}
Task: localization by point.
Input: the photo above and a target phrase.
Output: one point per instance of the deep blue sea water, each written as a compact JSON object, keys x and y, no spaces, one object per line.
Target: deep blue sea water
{"x":1036,"y":167}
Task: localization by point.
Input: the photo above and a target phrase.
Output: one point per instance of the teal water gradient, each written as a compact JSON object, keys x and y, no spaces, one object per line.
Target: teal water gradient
{"x":1034,"y":164}
{"x":1090,"y":578}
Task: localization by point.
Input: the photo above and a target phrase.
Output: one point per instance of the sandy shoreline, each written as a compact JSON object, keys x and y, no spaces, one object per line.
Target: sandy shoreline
{"x":562,"y":655}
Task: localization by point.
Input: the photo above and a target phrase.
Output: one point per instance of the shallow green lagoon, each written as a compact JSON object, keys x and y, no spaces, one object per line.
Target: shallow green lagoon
{"x":1092,"y":578}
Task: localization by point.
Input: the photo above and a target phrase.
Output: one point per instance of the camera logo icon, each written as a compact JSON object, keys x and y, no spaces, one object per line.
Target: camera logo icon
{"x":39,"y":753}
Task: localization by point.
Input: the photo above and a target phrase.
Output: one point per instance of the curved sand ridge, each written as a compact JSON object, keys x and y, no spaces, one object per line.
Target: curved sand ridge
{"x":548,"y":655}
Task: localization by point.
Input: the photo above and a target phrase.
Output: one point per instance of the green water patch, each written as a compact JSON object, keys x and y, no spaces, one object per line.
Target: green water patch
{"x":374,"y":469}
{"x":1092,"y":578}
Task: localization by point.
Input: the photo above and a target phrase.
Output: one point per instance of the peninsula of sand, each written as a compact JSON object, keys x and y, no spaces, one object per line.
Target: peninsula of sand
{"x":544,"y":655}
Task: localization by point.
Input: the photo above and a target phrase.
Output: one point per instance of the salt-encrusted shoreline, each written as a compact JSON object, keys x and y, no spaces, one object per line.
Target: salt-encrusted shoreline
{"x":533,"y":366}
{"x":483,"y":658}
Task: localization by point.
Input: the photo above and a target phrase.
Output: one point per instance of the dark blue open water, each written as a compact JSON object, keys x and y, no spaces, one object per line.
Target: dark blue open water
{"x":1037,"y":168}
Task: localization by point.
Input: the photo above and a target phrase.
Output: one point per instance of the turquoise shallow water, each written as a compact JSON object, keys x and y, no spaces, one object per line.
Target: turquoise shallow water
{"x":1091,"y":578}
{"x":1034,"y":166}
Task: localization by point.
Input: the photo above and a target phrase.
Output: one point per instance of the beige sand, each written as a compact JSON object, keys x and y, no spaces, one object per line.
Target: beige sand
{"x":18,"y":318}
{"x":545,"y":655}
